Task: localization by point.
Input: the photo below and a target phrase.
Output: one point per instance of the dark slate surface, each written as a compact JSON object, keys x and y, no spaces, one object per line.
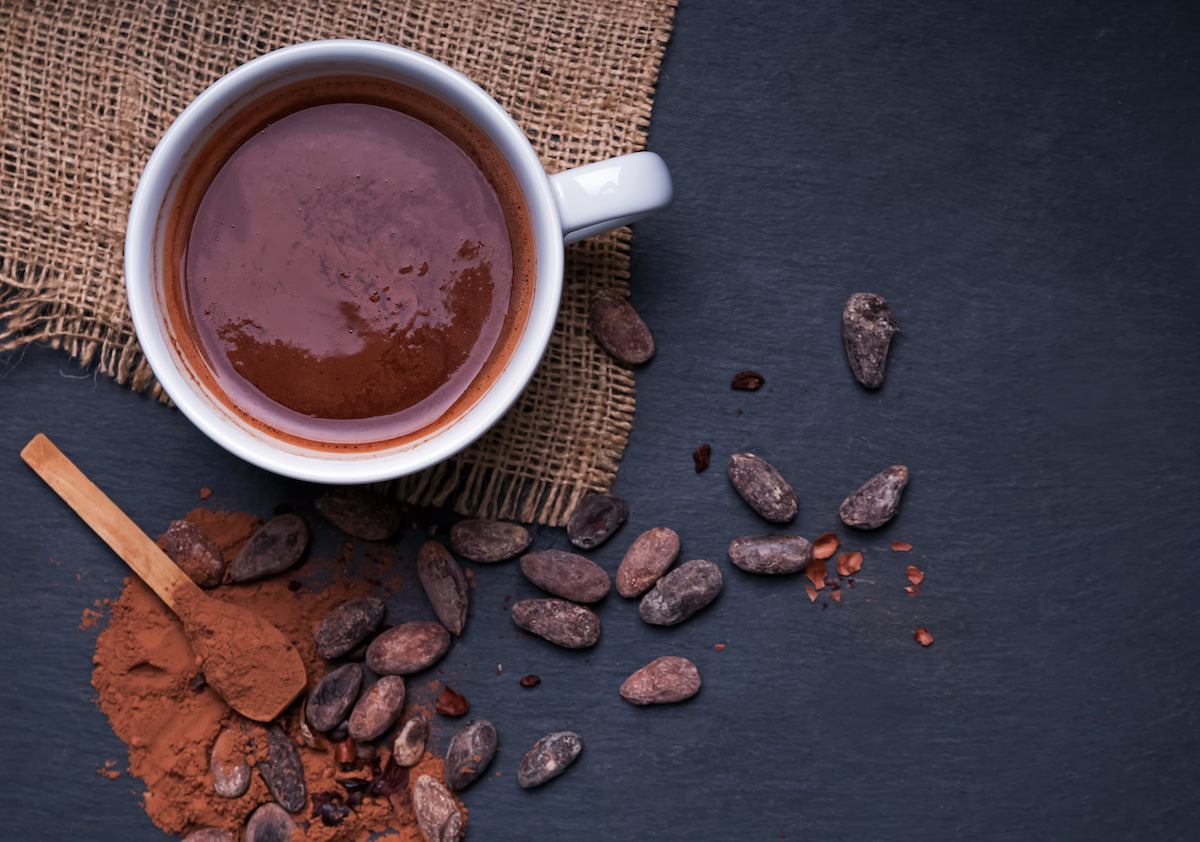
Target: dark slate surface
{"x":1020,"y":181}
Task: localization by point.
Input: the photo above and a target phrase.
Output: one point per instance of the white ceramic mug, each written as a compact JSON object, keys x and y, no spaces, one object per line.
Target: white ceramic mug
{"x":563,"y":208}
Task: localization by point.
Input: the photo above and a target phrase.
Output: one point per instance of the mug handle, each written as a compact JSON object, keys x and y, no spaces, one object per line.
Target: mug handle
{"x":608,"y":194}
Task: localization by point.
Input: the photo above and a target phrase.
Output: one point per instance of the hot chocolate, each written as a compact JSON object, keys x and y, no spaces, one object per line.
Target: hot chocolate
{"x":354,"y":263}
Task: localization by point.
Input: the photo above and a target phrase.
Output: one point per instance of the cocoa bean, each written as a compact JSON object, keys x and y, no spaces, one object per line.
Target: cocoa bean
{"x":445,"y":584}
{"x":409,"y":746}
{"x":194,"y":552}
{"x":470,"y":751}
{"x":437,"y":812}
{"x":348,"y":625}
{"x":282,"y":771}
{"x":877,"y":501}
{"x":662,"y":681}
{"x":488,"y":541}
{"x":270,"y":823}
{"x":650,"y":556}
{"x":378,"y":708}
{"x":762,"y":487}
{"x":681,"y":593}
{"x":771,"y":554}
{"x":867,"y":328}
{"x":209,"y":834}
{"x":549,"y":758}
{"x":408,"y":648}
{"x":558,"y":621}
{"x":230,"y":771}
{"x":333,"y":696}
{"x":361,"y":512}
{"x":275,"y":547}
{"x":595,"y":519}
{"x":566,"y":575}
{"x":619,"y":329}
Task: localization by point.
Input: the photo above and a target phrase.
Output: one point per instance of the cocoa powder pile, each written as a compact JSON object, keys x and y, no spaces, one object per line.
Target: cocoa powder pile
{"x":158,"y":703}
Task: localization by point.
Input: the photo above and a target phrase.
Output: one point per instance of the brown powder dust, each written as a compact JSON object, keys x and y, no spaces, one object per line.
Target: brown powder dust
{"x":150,"y":686}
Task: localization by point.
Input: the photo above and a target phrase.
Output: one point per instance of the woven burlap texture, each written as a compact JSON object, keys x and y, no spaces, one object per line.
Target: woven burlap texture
{"x":88,"y":89}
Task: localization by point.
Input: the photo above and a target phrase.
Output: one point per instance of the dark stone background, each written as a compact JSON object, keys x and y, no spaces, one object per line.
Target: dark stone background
{"x":1020,"y":181}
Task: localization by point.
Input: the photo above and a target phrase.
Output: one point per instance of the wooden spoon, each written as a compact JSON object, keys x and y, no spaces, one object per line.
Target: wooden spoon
{"x":245,"y":659}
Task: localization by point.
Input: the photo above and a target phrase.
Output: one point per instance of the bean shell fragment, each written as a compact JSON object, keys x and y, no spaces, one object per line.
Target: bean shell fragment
{"x":408,"y":648}
{"x":348,"y":625}
{"x":558,"y":621}
{"x":437,"y":812}
{"x":566,"y":575}
{"x":619,"y":329}
{"x":276,"y":546}
{"x":867,"y":328}
{"x":361,"y":512}
{"x":771,"y":554}
{"x":488,"y":541}
{"x":470,"y":751}
{"x":662,"y":681}
{"x":649,"y":557}
{"x":549,"y":758}
{"x":877,"y":501}
{"x":681,"y":593}
{"x":445,"y":584}
{"x":595,"y":519}
{"x":762,"y":487}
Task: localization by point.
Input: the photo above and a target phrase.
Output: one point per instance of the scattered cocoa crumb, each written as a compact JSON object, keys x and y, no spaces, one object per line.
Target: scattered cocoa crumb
{"x":915,"y":576}
{"x":826,"y":545}
{"x":450,"y":703}
{"x":530,"y":681}
{"x":922,"y":636}
{"x":701,"y":456}
{"x":900,"y":547}
{"x":816,"y":572}
{"x":849,"y":563}
{"x":747,"y":381}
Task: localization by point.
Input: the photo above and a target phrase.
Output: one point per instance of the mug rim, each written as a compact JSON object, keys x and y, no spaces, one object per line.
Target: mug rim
{"x":150,"y":208}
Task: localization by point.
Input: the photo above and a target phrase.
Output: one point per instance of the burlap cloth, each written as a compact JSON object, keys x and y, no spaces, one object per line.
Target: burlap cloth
{"x":88,"y":88}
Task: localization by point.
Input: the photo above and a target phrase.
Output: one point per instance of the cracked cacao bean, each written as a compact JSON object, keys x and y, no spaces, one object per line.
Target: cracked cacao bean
{"x":877,"y":501}
{"x":470,"y":751}
{"x":566,"y":575}
{"x":408,"y":648}
{"x":595,"y":519}
{"x":867,"y":328}
{"x":275,"y":547}
{"x":762,"y":487}
{"x":771,"y":554}
{"x":194,"y":552}
{"x":409,"y":746}
{"x":445,"y":584}
{"x":549,"y":758}
{"x":558,"y":621}
{"x":361,"y":512}
{"x":649,"y":557}
{"x":619,"y":329}
{"x":437,"y":812}
{"x":662,"y":681}
{"x":348,"y":625}
{"x":488,"y":541}
{"x":377,"y":708}
{"x":681,"y":593}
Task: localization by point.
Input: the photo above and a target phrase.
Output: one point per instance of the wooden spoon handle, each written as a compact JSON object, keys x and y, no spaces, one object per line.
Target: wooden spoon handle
{"x":104,"y":517}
